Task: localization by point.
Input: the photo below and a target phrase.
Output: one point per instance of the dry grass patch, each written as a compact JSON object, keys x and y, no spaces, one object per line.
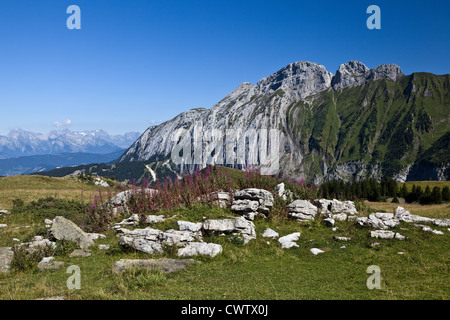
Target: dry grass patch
{"x":29,"y":188}
{"x":440,"y":211}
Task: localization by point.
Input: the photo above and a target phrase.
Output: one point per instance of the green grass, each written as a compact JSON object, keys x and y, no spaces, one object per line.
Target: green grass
{"x":30,"y":188}
{"x":424,"y":184}
{"x":259,"y":270}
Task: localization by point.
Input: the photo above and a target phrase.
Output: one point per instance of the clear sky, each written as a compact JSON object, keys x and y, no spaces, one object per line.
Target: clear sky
{"x":135,"y":63}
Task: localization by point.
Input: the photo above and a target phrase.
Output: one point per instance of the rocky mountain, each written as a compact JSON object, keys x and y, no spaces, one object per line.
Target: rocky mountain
{"x":25,"y":143}
{"x":358,"y":123}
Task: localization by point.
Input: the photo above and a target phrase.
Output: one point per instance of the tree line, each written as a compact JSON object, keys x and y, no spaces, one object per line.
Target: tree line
{"x":373,"y":190}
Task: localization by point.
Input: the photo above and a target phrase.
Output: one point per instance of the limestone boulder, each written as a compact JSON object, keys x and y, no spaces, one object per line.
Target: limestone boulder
{"x":63,"y":229}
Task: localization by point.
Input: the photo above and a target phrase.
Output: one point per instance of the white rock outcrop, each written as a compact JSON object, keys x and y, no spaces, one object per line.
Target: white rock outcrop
{"x":200,"y":248}
{"x":289,"y":240}
{"x":302,"y":210}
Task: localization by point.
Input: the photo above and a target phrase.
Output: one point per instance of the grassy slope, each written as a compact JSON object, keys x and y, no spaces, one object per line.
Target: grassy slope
{"x":254,"y":271}
{"x":263,"y":271}
{"x":30,"y":188}
{"x":383,"y":121}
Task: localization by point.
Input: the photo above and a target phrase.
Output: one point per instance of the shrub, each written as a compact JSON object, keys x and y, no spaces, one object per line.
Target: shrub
{"x":26,"y":259}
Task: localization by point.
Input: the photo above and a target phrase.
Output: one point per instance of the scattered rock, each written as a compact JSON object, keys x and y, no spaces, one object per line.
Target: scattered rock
{"x":316,"y":251}
{"x":96,"y":236}
{"x":269,"y":233}
{"x":200,"y":248}
{"x":237,"y":226}
{"x":63,"y":229}
{"x":428,"y":229}
{"x":379,"y":220}
{"x":133,"y":220}
{"x":6,"y":257}
{"x":221,"y":199}
{"x":289,"y":240}
{"x":164,"y":265}
{"x":39,"y":243}
{"x":120,"y":201}
{"x":4,"y":212}
{"x":154,"y":219}
{"x":374,"y":244}
{"x":3,"y":225}
{"x":151,"y":240}
{"x":52,"y":265}
{"x":80,"y":254}
{"x":404,"y":215}
{"x":329,"y":222}
{"x":252,"y":202}
{"x":194,"y":227}
{"x":342,"y":238}
{"x":283,"y":193}
{"x":302,"y":210}
{"x":338,"y":216}
{"x":103,"y":247}
{"x":47,"y":260}
{"x":442,"y":222}
{"x":386,"y":234}
{"x":335,"y":206}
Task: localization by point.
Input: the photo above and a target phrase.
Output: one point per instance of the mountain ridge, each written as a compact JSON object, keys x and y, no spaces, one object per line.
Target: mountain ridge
{"x":20,"y":142}
{"x":304,"y":100}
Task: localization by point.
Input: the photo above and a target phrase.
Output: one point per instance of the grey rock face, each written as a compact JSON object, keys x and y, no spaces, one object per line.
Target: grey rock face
{"x":298,"y":80}
{"x":221,"y":199}
{"x":200,"y":248}
{"x":350,"y":74}
{"x":164,"y":265}
{"x":237,"y":226}
{"x":252,"y":202}
{"x":355,"y":73}
{"x":302,"y":210}
{"x":151,"y":240}
{"x":63,"y":229}
{"x":6,"y":257}
{"x":386,"y":71}
{"x":335,"y":206}
{"x":258,"y":107}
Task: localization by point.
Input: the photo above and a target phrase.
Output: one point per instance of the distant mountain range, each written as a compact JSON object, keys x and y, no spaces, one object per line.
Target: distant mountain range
{"x":43,"y":163}
{"x":19,"y":143}
{"x":358,"y":123}
{"x":25,"y":152}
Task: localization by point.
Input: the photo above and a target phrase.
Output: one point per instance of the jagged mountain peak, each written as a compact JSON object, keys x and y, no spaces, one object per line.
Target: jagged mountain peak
{"x":354,"y":73}
{"x":297,"y":80}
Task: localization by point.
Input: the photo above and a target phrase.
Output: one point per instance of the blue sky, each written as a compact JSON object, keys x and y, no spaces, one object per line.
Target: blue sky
{"x":137,"y":62}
